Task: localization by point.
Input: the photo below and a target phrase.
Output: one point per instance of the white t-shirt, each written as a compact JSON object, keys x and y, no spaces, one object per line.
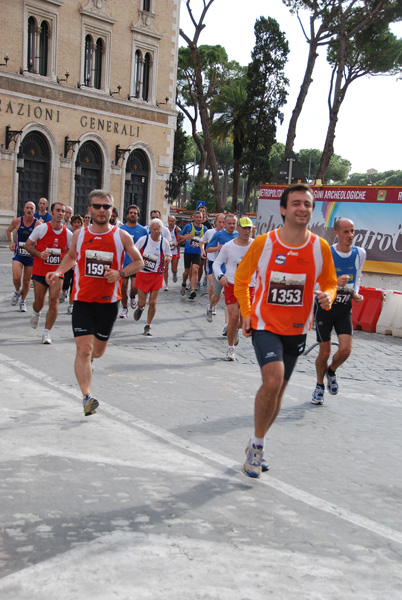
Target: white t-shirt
{"x":152,"y":252}
{"x":206,"y":238}
{"x":230,"y":255}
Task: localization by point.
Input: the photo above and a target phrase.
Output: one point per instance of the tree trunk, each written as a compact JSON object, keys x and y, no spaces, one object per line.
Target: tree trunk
{"x":307,"y":80}
{"x":204,"y":116}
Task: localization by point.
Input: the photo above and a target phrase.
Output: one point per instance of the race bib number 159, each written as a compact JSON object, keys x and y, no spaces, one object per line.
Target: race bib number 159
{"x":96,"y":262}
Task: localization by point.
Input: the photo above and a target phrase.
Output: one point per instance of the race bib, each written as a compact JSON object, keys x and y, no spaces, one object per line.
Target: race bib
{"x":344,"y":294}
{"x":149,"y":262}
{"x":195,"y":242}
{"x":96,"y":262}
{"x":286,"y":289}
{"x":21,"y":249}
{"x":54,"y":257}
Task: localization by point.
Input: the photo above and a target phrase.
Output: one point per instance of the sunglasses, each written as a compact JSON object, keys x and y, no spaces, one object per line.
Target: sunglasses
{"x":104,"y":206}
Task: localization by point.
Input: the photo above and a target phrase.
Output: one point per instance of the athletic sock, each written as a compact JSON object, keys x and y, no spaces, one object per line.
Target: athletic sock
{"x":330,"y":372}
{"x":321,"y":385}
{"x":257,"y":441}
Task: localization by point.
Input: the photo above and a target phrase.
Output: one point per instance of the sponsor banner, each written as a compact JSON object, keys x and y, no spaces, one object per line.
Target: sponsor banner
{"x":376,"y":213}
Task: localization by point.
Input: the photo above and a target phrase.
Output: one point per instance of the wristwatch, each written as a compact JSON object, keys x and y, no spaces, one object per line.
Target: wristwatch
{"x":220,"y":276}
{"x":122,"y":274}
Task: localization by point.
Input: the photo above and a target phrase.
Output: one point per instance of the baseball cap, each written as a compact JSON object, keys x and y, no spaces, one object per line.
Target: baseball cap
{"x":245,"y":222}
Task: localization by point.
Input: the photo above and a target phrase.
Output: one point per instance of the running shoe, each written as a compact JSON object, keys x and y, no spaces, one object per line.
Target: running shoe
{"x":166,"y":288}
{"x":134,"y":303}
{"x":230,"y":354}
{"x":224,"y":332}
{"x":332,"y":384}
{"x":236,"y":342}
{"x":46,"y":338}
{"x":174,"y":277}
{"x":34,"y":322}
{"x":205,"y":281}
{"x":124,"y":313}
{"x":193,"y":294}
{"x":209,"y":315}
{"x":198,"y":285}
{"x":214,"y":311}
{"x":137,"y":313}
{"x":264,"y":463}
{"x":147,"y":330}
{"x":253,"y":464}
{"x":15,"y":298}
{"x":90,"y":405}
{"x":70,"y":309}
{"x":318,"y":395}
{"x":23,"y":306}
{"x":62,"y":297}
{"x":183,"y":289}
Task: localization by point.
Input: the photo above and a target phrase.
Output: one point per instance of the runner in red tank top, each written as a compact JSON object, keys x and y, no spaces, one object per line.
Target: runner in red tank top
{"x":289,"y":263}
{"x":98,"y":251}
{"x":48,"y":244}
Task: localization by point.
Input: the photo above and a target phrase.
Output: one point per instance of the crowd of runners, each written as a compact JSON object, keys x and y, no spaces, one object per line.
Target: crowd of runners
{"x":272,"y":286}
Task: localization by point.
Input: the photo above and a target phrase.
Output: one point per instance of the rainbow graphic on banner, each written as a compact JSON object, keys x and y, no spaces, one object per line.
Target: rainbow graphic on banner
{"x":328,"y":210}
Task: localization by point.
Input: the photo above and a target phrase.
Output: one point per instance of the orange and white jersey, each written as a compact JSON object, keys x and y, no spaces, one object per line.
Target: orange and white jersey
{"x":97,"y":252}
{"x":286,"y":279}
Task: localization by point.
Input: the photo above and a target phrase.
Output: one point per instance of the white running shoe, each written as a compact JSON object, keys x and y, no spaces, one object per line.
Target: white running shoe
{"x":224,"y":332}
{"x":124,"y":313}
{"x":90,"y":405}
{"x":166,"y":288}
{"x":63,"y":296}
{"x":15,"y":298}
{"x":209,"y":315}
{"x":230,"y":354}
{"x":46,"y":338}
{"x":133,"y":303}
{"x":147,"y":330}
{"x":23,"y":306}
{"x":34,"y":322}
{"x":70,"y":309}
{"x":174,"y":277}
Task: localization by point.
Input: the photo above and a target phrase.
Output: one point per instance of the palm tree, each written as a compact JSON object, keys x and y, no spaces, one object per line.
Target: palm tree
{"x":230,"y":109}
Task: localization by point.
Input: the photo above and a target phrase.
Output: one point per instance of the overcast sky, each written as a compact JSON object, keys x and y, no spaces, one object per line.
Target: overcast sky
{"x":369,"y":130}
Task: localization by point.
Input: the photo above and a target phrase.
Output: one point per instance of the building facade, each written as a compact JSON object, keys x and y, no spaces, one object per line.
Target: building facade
{"x":87,"y":100}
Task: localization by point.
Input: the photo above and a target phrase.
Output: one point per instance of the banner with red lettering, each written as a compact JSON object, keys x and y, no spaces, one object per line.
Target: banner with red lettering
{"x":375,"y":211}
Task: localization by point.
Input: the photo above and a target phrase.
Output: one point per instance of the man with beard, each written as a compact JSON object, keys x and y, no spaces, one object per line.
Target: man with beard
{"x":136,"y":231}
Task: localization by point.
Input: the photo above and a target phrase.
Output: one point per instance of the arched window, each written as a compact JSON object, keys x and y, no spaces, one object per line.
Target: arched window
{"x":31,"y":45}
{"x":98,"y":64}
{"x":146,"y":5}
{"x":88,"y":60}
{"x":137,"y":74}
{"x":43,"y":48}
{"x":146,"y":76}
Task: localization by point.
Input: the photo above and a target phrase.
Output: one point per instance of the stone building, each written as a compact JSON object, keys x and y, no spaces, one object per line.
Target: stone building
{"x":87,"y":100}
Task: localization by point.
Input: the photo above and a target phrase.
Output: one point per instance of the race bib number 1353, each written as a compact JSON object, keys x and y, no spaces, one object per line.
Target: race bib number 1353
{"x":286,"y":289}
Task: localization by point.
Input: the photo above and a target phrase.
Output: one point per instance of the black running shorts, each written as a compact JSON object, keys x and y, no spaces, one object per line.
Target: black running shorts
{"x":94,"y":318}
{"x":339,"y":317}
{"x":270,"y":347}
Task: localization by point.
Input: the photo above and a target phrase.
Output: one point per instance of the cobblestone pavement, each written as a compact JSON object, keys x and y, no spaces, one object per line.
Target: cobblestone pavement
{"x":147,"y":499}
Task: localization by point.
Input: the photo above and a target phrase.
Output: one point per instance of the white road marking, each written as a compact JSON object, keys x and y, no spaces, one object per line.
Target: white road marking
{"x":269,"y":481}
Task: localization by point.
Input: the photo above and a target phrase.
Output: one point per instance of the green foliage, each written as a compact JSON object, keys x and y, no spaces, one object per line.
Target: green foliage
{"x":202,"y":190}
{"x":386,"y":178}
{"x":338,"y":169}
{"x":266,"y":94}
{"x":181,"y":157}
